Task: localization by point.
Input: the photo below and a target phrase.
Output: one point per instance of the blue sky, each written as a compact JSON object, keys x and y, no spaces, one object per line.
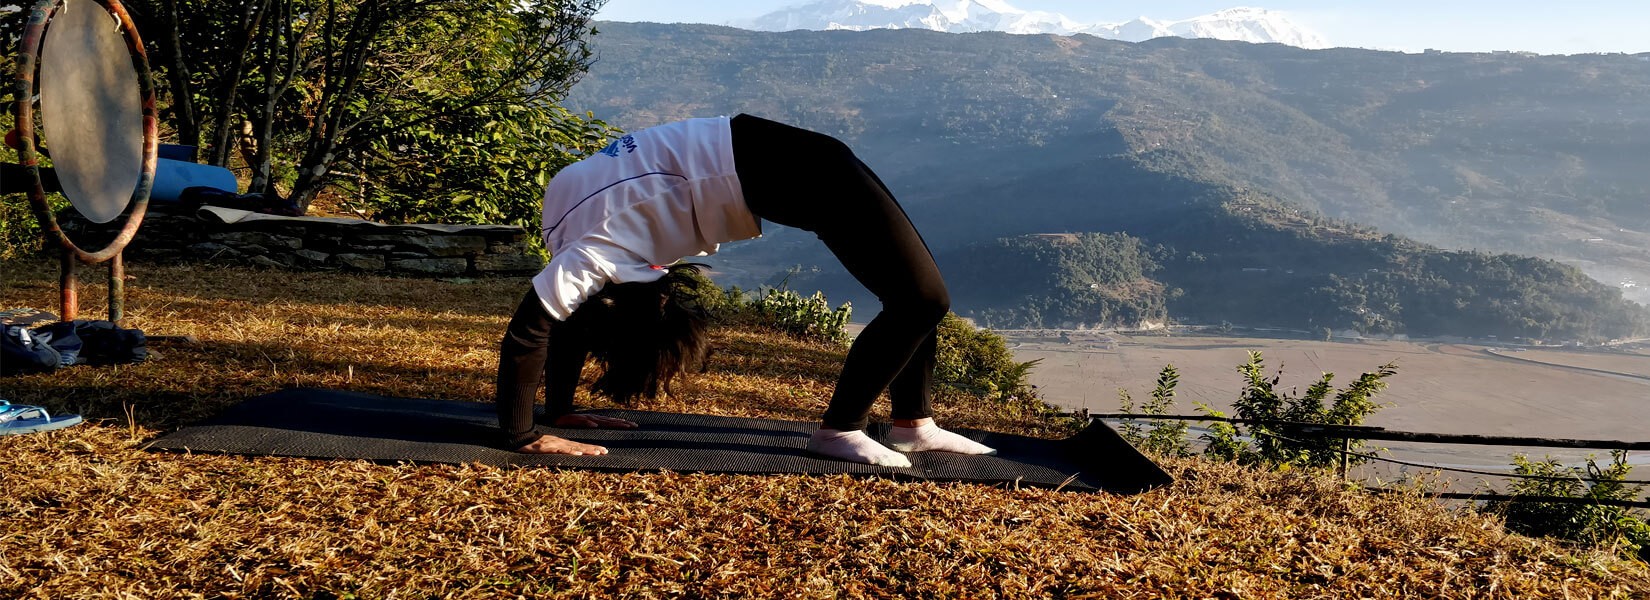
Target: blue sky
{"x":1547,"y":26}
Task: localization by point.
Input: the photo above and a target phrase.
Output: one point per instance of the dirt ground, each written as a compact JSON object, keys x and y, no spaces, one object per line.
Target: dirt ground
{"x":1440,"y":387}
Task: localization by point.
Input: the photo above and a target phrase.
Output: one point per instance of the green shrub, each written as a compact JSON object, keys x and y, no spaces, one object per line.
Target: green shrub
{"x":971,"y":361}
{"x":1221,"y":441}
{"x":1275,"y":445}
{"x":1166,"y":438}
{"x":710,"y":297}
{"x":783,"y":310}
{"x":977,"y":361}
{"x":19,"y":230}
{"x":1269,"y":445}
{"x":1586,"y":524}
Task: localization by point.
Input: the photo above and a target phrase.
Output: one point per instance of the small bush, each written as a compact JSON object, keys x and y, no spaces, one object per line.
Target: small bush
{"x":1166,"y":438}
{"x":780,"y":309}
{"x":970,"y":361}
{"x":1586,"y":524}
{"x":977,"y":361}
{"x":1270,"y":445}
{"x":19,"y":231}
{"x":1222,"y":441}
{"x":715,"y":301}
{"x":1274,"y":445}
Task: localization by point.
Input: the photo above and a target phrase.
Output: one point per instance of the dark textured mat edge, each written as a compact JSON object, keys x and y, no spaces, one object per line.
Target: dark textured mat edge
{"x":331,"y":424}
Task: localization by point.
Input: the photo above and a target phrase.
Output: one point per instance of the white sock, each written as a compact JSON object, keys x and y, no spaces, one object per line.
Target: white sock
{"x":855,"y":446}
{"x":931,"y":437}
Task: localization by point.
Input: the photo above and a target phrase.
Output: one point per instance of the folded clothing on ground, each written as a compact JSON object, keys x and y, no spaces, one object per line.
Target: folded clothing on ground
{"x":22,"y":352}
{"x":66,"y":343}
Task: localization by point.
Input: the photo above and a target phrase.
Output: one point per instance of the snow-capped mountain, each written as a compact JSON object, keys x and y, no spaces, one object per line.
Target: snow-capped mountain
{"x":959,"y":16}
{"x":1249,"y":25}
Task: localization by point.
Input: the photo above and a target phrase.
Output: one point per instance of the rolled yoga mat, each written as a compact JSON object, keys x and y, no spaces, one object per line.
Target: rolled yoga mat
{"x":313,"y":423}
{"x":174,"y":176}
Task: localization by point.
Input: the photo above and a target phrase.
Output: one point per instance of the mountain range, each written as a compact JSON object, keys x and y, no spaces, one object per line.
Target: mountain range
{"x":1272,"y":185}
{"x":966,"y":16}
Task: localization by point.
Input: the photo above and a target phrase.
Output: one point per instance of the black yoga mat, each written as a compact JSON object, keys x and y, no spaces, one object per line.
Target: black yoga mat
{"x":315,"y":423}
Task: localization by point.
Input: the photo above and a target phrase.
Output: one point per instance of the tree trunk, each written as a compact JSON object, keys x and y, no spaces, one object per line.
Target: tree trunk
{"x":263,"y":164}
{"x":247,"y":143}
{"x":309,"y":186}
{"x":263,"y":161}
{"x":314,"y":172}
{"x":183,"y":104}
{"x":224,"y":121}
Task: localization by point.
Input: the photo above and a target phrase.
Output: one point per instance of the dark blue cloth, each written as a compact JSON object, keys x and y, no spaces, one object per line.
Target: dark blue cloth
{"x":67,"y":343}
{"x":61,"y":337}
{"x":21,"y":353}
{"x":105,"y":343}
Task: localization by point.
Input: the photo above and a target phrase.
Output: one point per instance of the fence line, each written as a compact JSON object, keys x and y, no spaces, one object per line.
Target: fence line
{"x":1358,"y":429}
{"x":1459,"y":470}
{"x":1541,"y":499}
{"x":1349,"y":432}
{"x":1366,"y":432}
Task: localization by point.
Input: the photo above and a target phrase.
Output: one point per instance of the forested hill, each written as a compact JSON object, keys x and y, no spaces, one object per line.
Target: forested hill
{"x":1255,"y":262}
{"x":985,"y":136}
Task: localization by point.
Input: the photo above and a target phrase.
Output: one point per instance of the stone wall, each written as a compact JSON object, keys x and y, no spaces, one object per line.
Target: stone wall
{"x":170,"y":234}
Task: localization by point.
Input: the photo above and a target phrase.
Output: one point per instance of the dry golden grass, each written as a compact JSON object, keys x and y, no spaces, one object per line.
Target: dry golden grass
{"x":86,"y":513}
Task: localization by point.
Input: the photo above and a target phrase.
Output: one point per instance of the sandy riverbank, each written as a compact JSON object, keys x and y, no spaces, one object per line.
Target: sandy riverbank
{"x":1445,"y":388}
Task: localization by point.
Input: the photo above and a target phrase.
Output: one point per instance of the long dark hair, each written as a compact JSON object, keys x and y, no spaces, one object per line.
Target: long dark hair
{"x":644,"y":334}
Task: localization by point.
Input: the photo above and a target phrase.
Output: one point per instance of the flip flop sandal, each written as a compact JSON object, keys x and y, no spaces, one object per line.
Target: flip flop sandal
{"x":23,"y":418}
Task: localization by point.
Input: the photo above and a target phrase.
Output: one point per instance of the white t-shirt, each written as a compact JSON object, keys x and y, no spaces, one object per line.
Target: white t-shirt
{"x":649,"y":198}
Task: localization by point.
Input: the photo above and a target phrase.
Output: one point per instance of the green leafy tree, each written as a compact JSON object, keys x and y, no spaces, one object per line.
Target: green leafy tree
{"x":311,"y":91}
{"x":490,"y":166}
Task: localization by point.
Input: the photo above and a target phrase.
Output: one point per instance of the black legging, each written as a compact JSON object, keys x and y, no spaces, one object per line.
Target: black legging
{"x":813,"y":182}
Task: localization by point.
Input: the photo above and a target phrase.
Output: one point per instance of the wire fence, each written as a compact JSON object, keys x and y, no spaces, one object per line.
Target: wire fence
{"x":1376,"y":457}
{"x":1347,"y":433}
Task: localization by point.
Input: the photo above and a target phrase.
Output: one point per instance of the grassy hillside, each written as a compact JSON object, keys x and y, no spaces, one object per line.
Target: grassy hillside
{"x":89,"y":515}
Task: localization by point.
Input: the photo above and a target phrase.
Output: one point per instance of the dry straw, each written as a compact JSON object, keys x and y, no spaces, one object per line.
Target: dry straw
{"x":84,"y":513}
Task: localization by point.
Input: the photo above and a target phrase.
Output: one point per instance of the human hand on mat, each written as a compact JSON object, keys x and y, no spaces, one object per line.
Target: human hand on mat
{"x":586,"y":421}
{"x":549,"y":444}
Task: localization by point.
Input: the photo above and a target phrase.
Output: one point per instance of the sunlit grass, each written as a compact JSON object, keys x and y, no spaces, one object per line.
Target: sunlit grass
{"x":87,"y":513}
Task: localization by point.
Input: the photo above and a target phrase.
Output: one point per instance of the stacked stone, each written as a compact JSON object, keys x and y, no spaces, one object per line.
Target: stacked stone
{"x":363,"y":246}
